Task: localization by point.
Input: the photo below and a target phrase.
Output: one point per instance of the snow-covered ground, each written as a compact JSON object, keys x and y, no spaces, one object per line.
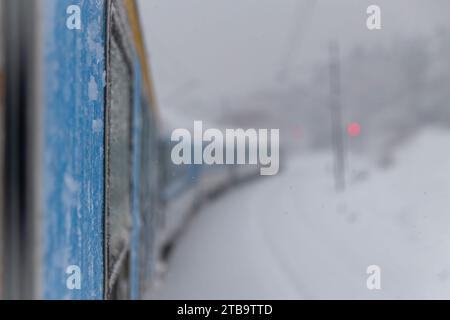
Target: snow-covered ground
{"x":292,"y":236}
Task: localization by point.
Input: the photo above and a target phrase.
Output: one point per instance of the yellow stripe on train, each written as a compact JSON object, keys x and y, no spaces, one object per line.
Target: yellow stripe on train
{"x":133,"y":16}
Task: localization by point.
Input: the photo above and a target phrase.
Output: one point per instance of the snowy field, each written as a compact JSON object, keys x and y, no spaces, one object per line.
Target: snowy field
{"x":293,"y":237}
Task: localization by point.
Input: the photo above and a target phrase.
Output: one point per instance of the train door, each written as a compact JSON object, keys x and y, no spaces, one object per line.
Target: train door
{"x":2,"y":150}
{"x":118,"y":187}
{"x":147,"y":196}
{"x":19,"y":149}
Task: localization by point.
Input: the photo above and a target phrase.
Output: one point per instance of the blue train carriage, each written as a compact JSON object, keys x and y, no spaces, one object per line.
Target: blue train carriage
{"x":81,"y":151}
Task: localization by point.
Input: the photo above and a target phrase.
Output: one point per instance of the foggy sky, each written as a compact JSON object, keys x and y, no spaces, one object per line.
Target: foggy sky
{"x":210,"y":49}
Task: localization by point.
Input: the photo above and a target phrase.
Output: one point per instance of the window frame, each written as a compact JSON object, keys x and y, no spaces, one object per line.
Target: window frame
{"x":118,"y":30}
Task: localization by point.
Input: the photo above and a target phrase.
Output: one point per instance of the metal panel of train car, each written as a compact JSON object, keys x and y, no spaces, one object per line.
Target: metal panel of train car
{"x":74,"y":121}
{"x":119,"y":219}
{"x":148,"y":194}
{"x":145,"y":186}
{"x":136,"y":182}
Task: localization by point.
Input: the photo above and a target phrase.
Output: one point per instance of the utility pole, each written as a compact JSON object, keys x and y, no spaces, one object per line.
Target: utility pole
{"x":337,"y":138}
{"x":302,"y":16}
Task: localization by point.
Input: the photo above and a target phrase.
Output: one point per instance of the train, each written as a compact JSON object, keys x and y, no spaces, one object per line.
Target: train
{"x":90,"y":202}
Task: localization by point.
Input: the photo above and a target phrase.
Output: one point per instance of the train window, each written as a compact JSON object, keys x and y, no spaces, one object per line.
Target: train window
{"x":118,"y":185}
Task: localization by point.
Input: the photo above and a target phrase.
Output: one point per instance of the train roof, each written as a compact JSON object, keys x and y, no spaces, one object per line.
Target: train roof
{"x":135,"y":25}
